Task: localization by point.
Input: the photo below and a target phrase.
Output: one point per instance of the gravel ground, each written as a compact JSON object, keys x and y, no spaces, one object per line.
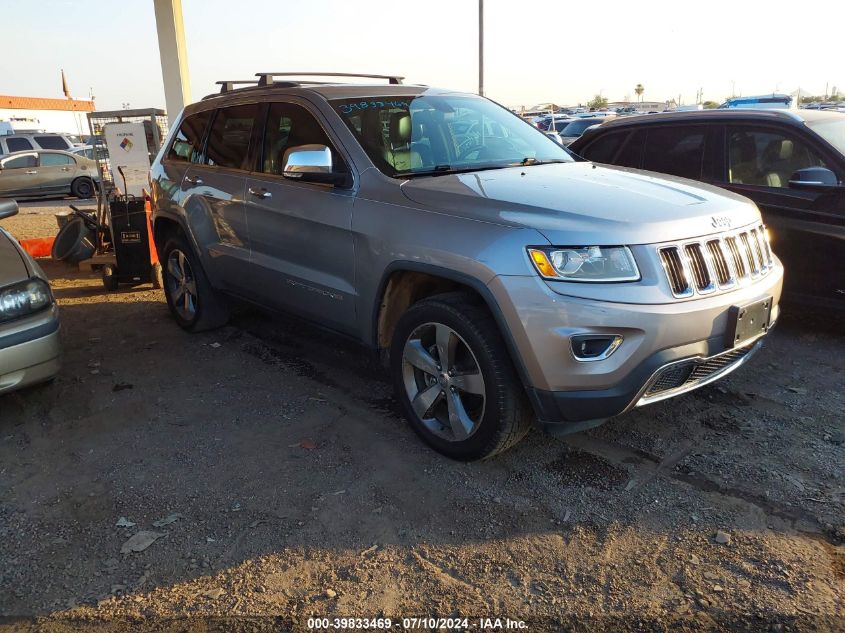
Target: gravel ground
{"x":264,"y":474}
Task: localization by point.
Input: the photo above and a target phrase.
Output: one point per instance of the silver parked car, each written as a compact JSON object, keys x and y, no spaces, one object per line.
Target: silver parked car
{"x":29,"y":317}
{"x":500,"y":279}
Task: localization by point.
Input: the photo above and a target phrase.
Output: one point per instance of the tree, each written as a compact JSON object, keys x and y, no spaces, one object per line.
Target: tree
{"x":639,"y":90}
{"x":597,"y":102}
{"x":710,"y":105}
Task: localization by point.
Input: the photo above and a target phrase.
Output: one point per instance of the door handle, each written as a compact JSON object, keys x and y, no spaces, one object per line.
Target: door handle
{"x":65,"y":168}
{"x":31,"y":171}
{"x":194,"y":180}
{"x":260,"y":193}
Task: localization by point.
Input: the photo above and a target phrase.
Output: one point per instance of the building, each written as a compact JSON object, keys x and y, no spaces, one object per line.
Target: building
{"x":62,"y":116}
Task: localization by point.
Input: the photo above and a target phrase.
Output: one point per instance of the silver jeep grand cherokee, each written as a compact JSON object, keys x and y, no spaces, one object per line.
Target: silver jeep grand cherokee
{"x":501,"y":279}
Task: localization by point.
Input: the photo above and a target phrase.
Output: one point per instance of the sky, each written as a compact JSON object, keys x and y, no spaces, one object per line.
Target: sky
{"x":563,"y":52}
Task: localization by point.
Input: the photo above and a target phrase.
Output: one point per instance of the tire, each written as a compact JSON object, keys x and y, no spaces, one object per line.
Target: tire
{"x":110,"y":278}
{"x":82,"y":188}
{"x":193,"y":302}
{"x":157,"y":275}
{"x":468,"y":419}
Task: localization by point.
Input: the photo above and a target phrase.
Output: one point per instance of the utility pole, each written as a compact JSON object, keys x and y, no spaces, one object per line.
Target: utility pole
{"x":481,"y":47}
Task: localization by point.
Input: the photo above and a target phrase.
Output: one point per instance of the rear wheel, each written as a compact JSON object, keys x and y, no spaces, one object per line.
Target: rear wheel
{"x":192,"y":301}
{"x":82,"y":187}
{"x":455,"y":380}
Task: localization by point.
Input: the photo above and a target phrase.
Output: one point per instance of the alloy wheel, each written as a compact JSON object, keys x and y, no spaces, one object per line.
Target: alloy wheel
{"x":182,"y":285}
{"x":443,"y":381}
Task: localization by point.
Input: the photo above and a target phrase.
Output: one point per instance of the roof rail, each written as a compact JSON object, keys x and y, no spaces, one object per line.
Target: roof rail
{"x":266,"y":79}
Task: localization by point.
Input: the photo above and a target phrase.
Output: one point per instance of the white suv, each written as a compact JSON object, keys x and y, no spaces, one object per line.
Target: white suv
{"x":25,"y":142}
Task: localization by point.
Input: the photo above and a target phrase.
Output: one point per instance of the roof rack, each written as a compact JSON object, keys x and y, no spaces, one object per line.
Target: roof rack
{"x":266,"y":79}
{"x":229,"y":84}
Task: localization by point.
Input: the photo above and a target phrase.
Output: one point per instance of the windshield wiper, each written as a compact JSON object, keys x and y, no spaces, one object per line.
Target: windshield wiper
{"x":536,"y":161}
{"x":442,"y":170}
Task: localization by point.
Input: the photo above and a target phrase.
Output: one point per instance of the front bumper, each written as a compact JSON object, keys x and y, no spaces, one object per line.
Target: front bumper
{"x":565,"y":391}
{"x":30,"y":350}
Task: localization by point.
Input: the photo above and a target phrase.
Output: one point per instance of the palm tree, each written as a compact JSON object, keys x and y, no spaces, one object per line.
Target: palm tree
{"x":639,"y":90}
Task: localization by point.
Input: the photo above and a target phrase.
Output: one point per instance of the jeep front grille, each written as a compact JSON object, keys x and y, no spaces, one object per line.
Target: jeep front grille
{"x":702,"y":267}
{"x":683,"y":376}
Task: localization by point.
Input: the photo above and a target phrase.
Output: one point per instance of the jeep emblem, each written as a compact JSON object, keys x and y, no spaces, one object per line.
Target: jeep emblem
{"x":721,"y":222}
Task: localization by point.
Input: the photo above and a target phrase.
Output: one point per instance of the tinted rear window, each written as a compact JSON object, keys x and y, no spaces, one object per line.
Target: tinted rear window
{"x":675,"y":150}
{"x":228,"y":139}
{"x":187,"y":145}
{"x":18,"y":144}
{"x":51,"y":142}
{"x":603,"y":149}
{"x":632,"y":151}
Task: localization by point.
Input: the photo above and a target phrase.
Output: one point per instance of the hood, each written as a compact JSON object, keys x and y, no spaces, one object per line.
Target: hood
{"x":12,"y":266}
{"x":581,"y":203}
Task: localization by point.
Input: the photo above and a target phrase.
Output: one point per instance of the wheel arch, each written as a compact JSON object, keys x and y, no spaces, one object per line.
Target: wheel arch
{"x":404,"y":283}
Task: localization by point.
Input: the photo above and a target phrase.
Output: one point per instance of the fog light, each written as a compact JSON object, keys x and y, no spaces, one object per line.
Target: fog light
{"x":587,"y":347}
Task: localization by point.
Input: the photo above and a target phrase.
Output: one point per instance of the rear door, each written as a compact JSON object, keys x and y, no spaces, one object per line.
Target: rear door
{"x":300,"y":233}
{"x":807,"y":227}
{"x":213,"y":190}
{"x":19,"y":175}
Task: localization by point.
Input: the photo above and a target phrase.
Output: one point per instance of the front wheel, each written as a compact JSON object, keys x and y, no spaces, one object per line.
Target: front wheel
{"x":455,"y":380}
{"x":191,"y":299}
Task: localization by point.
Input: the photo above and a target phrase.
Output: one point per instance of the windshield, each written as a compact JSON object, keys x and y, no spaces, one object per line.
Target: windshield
{"x":425,"y":135}
{"x":831,"y":130}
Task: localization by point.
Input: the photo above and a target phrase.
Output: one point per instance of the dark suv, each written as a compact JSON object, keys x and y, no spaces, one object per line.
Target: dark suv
{"x":791,"y":163}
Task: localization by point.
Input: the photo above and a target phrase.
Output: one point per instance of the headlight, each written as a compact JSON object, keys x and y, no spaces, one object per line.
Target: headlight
{"x":585,"y":263}
{"x":24,"y":299}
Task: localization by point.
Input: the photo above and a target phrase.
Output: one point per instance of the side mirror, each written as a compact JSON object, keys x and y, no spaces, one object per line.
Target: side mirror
{"x":311,"y":163}
{"x":813,"y":178}
{"x":8,"y":208}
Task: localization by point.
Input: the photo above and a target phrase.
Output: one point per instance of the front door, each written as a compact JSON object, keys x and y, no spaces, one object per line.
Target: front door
{"x":19,"y":175}
{"x":807,"y":228}
{"x":300,"y":233}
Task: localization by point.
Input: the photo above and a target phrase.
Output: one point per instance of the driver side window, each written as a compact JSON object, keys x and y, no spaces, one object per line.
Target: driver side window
{"x":21,"y":162}
{"x":767,"y":158}
{"x":288,"y":126}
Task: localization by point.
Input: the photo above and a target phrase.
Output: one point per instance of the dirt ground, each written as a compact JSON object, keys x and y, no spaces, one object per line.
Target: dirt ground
{"x":279,"y":483}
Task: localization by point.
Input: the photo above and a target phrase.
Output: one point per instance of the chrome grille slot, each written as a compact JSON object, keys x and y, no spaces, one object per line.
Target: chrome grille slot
{"x":675,"y":271}
{"x":756,"y":240}
{"x":720,"y":263}
{"x":698,"y":267}
{"x":766,"y":245}
{"x":748,"y":252}
{"x":736,"y":258}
